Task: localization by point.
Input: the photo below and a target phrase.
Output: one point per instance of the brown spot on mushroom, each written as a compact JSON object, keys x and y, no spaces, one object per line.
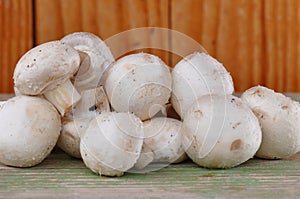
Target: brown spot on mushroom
{"x":129,"y":66}
{"x":239,"y":104}
{"x":198,"y":114}
{"x":236,"y":125}
{"x":129,"y":145}
{"x":148,"y":58}
{"x":257,"y":92}
{"x":236,"y":145}
{"x":284,"y":107}
{"x":259,"y":113}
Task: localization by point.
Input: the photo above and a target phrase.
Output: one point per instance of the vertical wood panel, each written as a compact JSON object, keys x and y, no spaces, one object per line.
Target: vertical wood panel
{"x":282,"y":44}
{"x":257,"y":41}
{"x":15,"y":38}
{"x":230,"y":30}
{"x":239,"y":41}
{"x":56,"y":18}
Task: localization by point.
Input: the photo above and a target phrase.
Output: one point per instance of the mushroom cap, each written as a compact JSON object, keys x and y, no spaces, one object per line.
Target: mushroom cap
{"x":139,"y":83}
{"x":220,"y":131}
{"x":196,"y":75}
{"x":45,"y":67}
{"x":99,"y":58}
{"x":164,"y":137}
{"x":280,"y":120}
{"x":69,"y":139}
{"x":88,"y":43}
{"x":112,"y":143}
{"x":30,"y":127}
{"x":93,"y":102}
{"x":145,"y":158}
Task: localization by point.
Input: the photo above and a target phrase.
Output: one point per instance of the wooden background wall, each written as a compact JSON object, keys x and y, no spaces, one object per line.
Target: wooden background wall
{"x":257,"y":40}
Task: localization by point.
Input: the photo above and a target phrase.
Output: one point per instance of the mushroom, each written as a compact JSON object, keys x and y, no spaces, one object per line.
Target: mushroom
{"x":163,"y":136}
{"x":93,"y":102}
{"x":220,"y":131}
{"x":196,"y":75}
{"x":76,"y":121}
{"x":2,"y":104}
{"x":162,"y":144}
{"x":280,"y":120}
{"x":30,"y":127}
{"x":16,"y":91}
{"x":145,"y":158}
{"x":95,"y":58}
{"x":112,"y":143}
{"x":46,"y":69}
{"x":138,"y":83}
{"x":69,"y":139}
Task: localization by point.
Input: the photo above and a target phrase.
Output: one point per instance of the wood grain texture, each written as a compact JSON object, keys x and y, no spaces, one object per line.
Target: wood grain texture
{"x":15,"y":37}
{"x":101,"y":17}
{"x":230,"y":31}
{"x":257,"y":40}
{"x":282,"y":43}
{"x":60,"y":176}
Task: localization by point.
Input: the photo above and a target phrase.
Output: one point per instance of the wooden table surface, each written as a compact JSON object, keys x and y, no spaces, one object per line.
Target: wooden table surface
{"x":60,"y":176}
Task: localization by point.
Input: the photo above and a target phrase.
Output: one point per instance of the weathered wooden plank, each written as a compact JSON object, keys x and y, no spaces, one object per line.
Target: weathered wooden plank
{"x":65,"y":177}
{"x":15,"y":37}
{"x":101,"y":17}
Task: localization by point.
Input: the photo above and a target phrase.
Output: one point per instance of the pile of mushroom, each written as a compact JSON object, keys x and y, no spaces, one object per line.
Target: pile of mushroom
{"x":136,"y":114}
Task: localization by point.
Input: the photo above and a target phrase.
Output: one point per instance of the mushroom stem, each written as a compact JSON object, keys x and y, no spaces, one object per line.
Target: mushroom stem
{"x":63,"y":97}
{"x":85,"y":69}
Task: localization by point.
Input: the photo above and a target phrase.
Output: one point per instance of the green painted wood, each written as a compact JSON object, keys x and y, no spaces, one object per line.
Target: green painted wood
{"x":63,"y":176}
{"x":60,"y":176}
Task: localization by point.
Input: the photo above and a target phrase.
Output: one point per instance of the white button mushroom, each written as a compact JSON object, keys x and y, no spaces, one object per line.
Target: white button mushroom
{"x":16,"y":91}
{"x":46,"y":69}
{"x":280,"y":120}
{"x":220,"y":131}
{"x":163,"y":136}
{"x":145,"y":158}
{"x":2,"y":104}
{"x":95,"y":58}
{"x":30,"y":127}
{"x":69,"y":139}
{"x":138,"y":83}
{"x":92,"y":103}
{"x":112,"y":143}
{"x":162,"y":144}
{"x":196,"y":75}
